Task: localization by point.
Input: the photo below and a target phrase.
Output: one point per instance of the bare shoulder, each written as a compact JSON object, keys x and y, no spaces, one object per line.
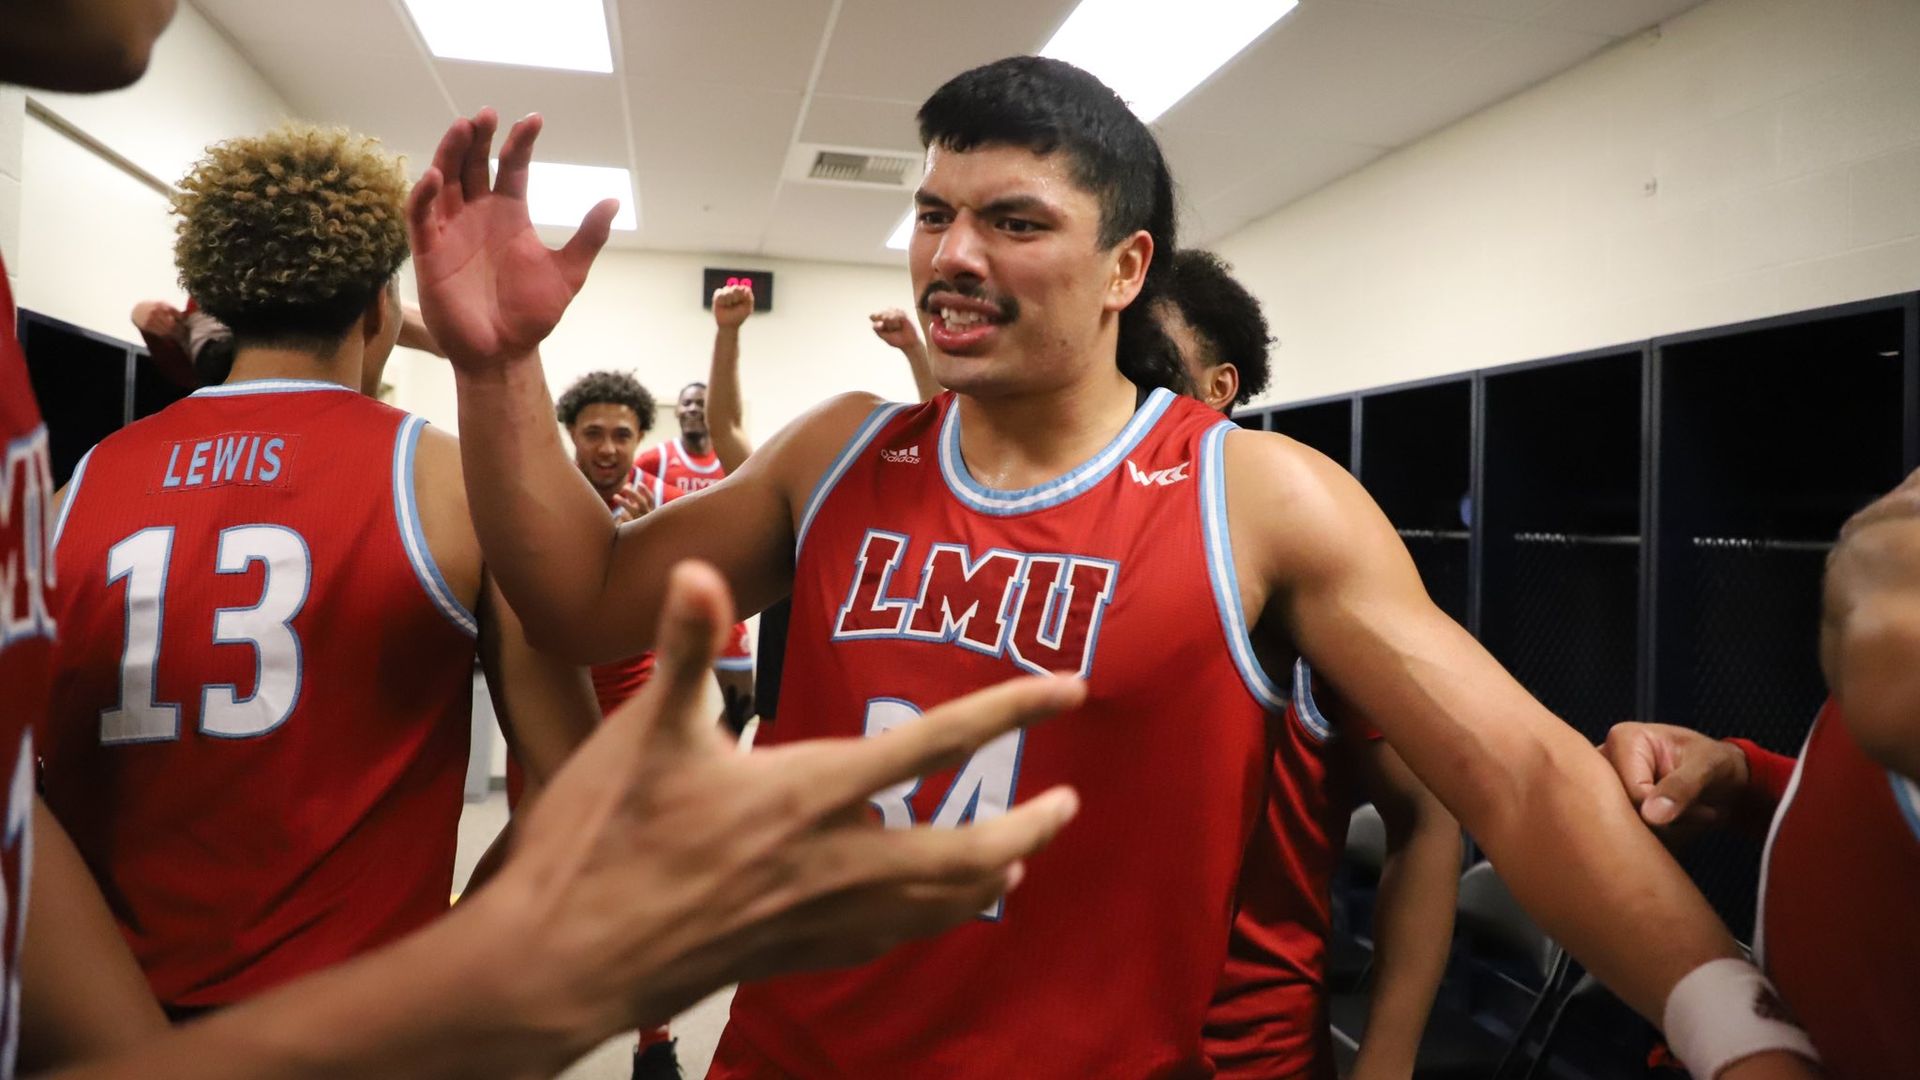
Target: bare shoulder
{"x":803,"y":450}
{"x":1295,"y":514}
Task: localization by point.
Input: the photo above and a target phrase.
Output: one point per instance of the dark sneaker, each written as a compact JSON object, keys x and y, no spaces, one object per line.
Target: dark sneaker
{"x":658,"y":1062}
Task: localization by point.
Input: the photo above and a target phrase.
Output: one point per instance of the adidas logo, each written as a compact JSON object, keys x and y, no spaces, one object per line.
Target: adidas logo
{"x":1158,"y":477}
{"x":909,"y":456}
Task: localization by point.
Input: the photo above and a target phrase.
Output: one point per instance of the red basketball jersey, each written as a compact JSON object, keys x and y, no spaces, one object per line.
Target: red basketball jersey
{"x":669,"y":472}
{"x":1839,"y":889}
{"x":261,"y":706}
{"x":27,"y":605}
{"x":916,"y":584}
{"x":1269,"y":1013}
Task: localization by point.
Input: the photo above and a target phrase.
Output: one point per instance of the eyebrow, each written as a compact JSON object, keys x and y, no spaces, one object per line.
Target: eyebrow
{"x":1011,"y":204}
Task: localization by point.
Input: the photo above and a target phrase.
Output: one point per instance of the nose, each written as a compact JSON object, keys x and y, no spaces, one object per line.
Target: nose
{"x":960,"y":257}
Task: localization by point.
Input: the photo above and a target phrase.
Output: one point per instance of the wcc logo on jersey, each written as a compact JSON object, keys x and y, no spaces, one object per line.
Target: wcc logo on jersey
{"x":1041,"y":611}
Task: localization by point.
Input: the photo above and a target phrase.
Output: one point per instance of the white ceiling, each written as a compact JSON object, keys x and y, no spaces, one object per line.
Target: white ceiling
{"x":709,"y":96}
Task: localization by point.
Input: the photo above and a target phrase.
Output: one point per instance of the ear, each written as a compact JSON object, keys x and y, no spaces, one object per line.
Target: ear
{"x":1132,"y":256}
{"x":380,"y":314}
{"x":1221,"y":386}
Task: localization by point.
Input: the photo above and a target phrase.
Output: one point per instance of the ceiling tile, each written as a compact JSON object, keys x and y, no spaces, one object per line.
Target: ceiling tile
{"x":1308,"y":167}
{"x":747,"y":43}
{"x":338,"y":27}
{"x":863,"y":122}
{"x":904,"y":51}
{"x":397,"y":102}
{"x":585,"y":124}
{"x":814,"y":221}
{"x":1615,"y":18}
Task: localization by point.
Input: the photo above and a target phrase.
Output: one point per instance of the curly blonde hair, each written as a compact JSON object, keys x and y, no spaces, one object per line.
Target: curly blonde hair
{"x":291,"y":234}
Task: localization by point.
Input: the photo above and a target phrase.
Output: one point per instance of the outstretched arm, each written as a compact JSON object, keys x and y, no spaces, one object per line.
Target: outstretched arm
{"x":491,"y":292}
{"x":1543,"y":803}
{"x":660,"y":864}
{"x":726,"y":422}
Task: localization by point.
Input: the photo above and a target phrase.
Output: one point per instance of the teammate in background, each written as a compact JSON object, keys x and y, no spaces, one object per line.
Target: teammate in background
{"x":195,"y":349}
{"x":896,"y":328}
{"x":1841,"y":876}
{"x":1269,"y":1015}
{"x":1006,"y":500}
{"x":263,"y":767}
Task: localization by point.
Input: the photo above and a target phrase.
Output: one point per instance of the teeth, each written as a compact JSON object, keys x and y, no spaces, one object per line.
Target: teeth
{"x":953,"y":317}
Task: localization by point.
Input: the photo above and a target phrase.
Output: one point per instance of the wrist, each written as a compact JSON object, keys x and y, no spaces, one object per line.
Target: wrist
{"x":521,"y":982}
{"x":1725,"y":1012}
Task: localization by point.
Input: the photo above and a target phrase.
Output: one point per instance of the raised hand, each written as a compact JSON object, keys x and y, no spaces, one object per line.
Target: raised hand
{"x":895,"y":327}
{"x":631,"y":503}
{"x":490,"y":290}
{"x":732,"y":304}
{"x":663,"y":863}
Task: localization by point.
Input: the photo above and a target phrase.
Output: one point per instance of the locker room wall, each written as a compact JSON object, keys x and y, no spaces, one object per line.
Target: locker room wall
{"x":1781,"y":136}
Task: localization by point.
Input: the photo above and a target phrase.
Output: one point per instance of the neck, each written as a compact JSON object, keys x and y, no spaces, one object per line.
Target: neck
{"x":697,"y":445}
{"x":262,"y":362}
{"x":1024,"y":441}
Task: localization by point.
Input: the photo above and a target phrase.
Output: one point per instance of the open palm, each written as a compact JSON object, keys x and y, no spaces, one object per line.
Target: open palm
{"x":490,"y":290}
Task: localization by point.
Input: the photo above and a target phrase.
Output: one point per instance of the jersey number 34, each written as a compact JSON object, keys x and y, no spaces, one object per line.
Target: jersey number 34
{"x":982,"y":789}
{"x":142,"y":561}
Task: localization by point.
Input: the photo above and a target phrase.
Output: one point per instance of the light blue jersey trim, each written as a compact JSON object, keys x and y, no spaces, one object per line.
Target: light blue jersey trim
{"x":269,"y":386}
{"x":1311,"y":719}
{"x":414,"y":538}
{"x":1221,"y":573}
{"x":73,"y":494}
{"x":982,"y":499}
{"x":733,"y":663}
{"x":876,"y":420}
{"x":1906,"y":795}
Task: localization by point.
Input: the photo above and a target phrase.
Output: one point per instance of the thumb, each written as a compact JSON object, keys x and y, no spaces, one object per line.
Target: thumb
{"x":577,"y":257}
{"x":693,"y":626}
{"x":1677,"y":791}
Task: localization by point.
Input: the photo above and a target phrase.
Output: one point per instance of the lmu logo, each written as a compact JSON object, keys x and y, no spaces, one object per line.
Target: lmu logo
{"x":26,"y":534}
{"x":695,"y":483}
{"x":1158,"y":477}
{"x":909,"y":456}
{"x":1041,"y":611}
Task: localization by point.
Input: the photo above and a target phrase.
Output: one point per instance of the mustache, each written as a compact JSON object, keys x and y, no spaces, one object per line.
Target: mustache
{"x":1007,"y":306}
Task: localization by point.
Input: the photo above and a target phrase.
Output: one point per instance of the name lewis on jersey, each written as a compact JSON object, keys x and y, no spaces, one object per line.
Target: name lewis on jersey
{"x":237,"y":457}
{"x":26,"y":538}
{"x":1040,"y":610}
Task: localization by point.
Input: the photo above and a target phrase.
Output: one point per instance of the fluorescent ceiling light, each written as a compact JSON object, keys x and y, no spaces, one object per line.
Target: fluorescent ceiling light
{"x":1153,"y":53}
{"x":567,"y":34}
{"x":902,"y":233}
{"x":562,"y":194}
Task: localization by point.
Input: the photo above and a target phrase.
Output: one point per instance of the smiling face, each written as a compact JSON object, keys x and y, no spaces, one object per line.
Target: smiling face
{"x":691,"y":410}
{"x":605,"y":436}
{"x":1016,"y":294}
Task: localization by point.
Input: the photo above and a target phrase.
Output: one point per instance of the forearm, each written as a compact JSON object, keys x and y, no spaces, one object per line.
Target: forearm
{"x":1412,"y":933}
{"x":547,"y":538}
{"x":83,"y":995}
{"x":414,"y":333}
{"x":924,"y":383}
{"x":726,"y":415}
{"x":441,"y":1003}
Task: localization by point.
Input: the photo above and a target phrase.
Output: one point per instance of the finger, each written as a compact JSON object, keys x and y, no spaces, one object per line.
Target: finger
{"x":473,"y":170}
{"x":449,"y":158}
{"x":1628,"y":749}
{"x":1676,"y":792}
{"x":577,"y":257}
{"x":840,"y":772}
{"x":693,"y":628}
{"x":644,"y":497}
{"x":855,"y":858}
{"x":516,"y":156}
{"x":420,"y":210}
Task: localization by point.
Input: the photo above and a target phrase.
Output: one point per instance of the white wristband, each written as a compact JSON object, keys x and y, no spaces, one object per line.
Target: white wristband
{"x":1724,"y":1011}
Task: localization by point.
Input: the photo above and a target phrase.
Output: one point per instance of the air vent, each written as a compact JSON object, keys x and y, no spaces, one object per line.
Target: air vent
{"x":860,"y":168}
{"x":851,"y":166}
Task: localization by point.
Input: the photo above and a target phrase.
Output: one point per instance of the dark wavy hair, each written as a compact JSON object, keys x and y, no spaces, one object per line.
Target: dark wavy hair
{"x":607,"y":388}
{"x":1045,"y":105}
{"x":1223,"y":314}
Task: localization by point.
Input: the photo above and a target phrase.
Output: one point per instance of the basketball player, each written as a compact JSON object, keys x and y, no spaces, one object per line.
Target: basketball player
{"x":1269,"y":1014}
{"x":264,"y":767}
{"x":1054,"y":511}
{"x":698,"y":458}
{"x":657,"y":811}
{"x":1841,"y":876}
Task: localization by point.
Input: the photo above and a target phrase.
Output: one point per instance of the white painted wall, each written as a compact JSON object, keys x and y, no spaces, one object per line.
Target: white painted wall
{"x":1750,"y":158}
{"x":89,"y":237}
{"x":641,"y":311}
